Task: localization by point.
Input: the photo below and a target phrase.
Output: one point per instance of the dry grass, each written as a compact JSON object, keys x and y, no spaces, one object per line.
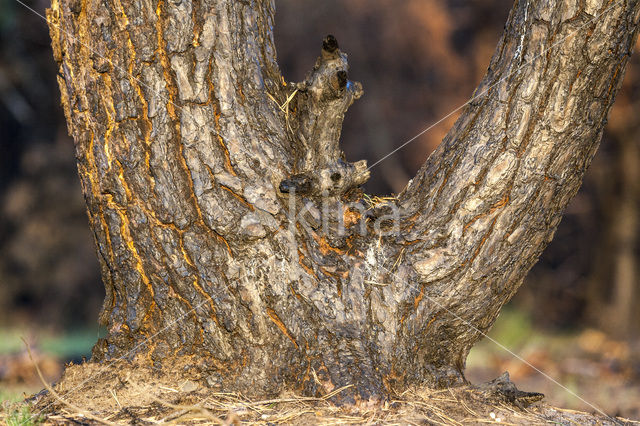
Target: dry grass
{"x":125,"y":393}
{"x":375,"y":201}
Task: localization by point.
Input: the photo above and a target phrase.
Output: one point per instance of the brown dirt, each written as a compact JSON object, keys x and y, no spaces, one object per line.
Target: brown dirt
{"x":130,"y":393}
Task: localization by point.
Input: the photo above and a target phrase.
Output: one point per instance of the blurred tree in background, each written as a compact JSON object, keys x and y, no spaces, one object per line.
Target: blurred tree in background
{"x":418,"y":61}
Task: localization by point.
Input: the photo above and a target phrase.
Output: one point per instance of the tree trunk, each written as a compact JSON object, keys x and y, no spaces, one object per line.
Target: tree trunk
{"x":232,"y":233}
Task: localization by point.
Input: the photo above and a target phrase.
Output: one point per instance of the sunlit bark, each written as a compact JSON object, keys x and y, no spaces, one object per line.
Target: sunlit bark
{"x":219,"y":197}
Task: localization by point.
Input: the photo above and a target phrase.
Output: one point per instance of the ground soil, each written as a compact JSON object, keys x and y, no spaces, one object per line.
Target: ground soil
{"x":133,"y":393}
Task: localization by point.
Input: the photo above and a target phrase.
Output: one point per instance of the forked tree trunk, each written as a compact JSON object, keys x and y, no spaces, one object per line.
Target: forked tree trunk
{"x":217,"y":193}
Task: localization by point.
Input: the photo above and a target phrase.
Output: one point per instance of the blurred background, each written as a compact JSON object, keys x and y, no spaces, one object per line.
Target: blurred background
{"x":575,"y":317}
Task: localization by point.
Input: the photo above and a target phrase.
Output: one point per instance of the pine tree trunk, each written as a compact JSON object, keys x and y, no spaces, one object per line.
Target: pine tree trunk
{"x":232,"y":232}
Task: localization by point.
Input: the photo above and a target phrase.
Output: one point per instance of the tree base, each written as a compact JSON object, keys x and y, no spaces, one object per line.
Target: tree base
{"x":268,"y":372}
{"x":124,"y":392}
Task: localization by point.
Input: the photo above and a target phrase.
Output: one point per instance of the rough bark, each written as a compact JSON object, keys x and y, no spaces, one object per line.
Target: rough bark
{"x":217,"y":193}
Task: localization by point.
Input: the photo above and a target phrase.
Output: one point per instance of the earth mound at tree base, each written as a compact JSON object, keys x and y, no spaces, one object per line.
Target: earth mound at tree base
{"x":125,"y":392}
